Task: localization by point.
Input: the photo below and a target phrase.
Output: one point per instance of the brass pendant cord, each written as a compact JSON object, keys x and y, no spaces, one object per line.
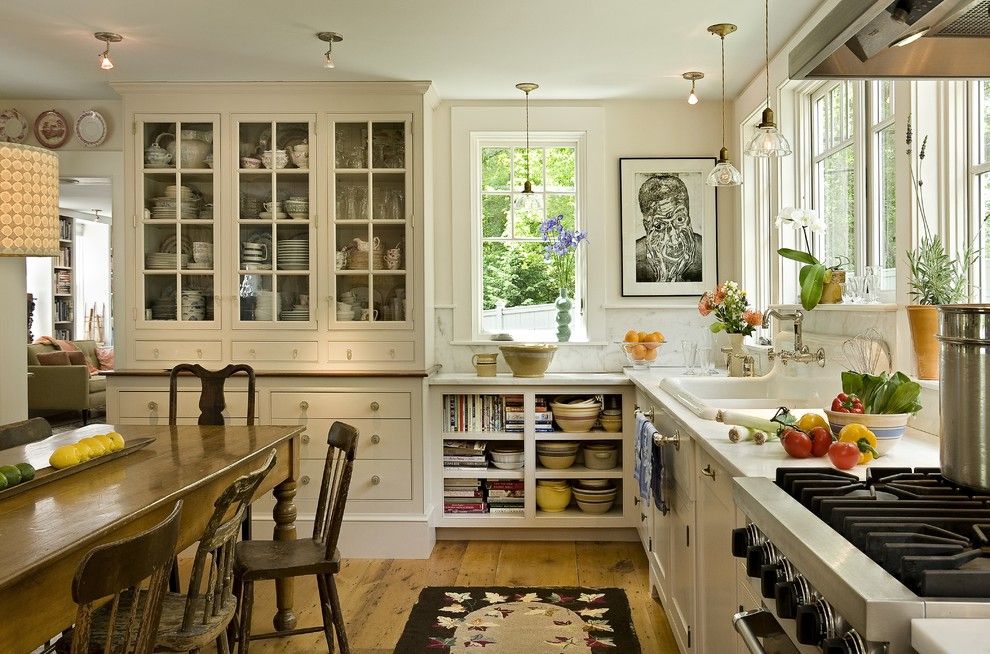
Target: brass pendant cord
{"x":766,"y":44}
{"x":722,"y":39}
{"x":527,"y":138}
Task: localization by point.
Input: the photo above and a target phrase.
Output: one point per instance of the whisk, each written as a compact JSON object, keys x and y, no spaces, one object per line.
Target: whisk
{"x":867,"y":353}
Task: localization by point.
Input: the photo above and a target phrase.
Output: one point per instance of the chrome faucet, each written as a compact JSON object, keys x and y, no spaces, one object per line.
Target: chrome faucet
{"x":801,"y":352}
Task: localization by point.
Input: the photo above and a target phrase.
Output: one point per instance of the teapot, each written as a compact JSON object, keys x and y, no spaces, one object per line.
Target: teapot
{"x":155,"y":156}
{"x":367,"y":246}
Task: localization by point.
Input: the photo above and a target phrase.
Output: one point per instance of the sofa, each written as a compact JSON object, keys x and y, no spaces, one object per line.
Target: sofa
{"x":60,"y":388}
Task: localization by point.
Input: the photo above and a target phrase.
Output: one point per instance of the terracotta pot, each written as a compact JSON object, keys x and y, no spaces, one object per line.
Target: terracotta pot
{"x":923,"y":319}
{"x":832,"y":290}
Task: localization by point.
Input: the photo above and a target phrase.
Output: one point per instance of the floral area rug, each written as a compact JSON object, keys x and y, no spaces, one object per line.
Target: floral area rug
{"x":520,"y":621}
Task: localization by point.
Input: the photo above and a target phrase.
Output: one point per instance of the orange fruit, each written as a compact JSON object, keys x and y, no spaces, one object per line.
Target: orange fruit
{"x":651,"y":353}
{"x":632,"y":336}
{"x":643,"y":336}
{"x":639,"y":352}
{"x":653,"y":337}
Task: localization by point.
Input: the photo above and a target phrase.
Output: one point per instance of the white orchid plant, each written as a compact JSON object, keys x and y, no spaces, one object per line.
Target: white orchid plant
{"x":813,"y":273}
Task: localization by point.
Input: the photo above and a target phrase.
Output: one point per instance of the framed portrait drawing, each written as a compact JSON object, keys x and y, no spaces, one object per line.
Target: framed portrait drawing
{"x":669,"y":218}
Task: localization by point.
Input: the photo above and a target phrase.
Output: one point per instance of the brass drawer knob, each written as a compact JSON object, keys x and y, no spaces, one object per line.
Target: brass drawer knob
{"x":375,"y":406}
{"x":305,"y":439}
{"x":375,"y":439}
{"x":152,"y":406}
{"x":636,"y":500}
{"x":375,"y":480}
{"x":295,"y":354}
{"x":304,"y":405}
{"x":708,"y":471}
{"x":155,"y":352}
{"x":199,"y":352}
{"x":305,"y":480}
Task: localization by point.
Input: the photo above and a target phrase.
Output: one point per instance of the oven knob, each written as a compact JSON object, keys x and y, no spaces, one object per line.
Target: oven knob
{"x":773,"y":574}
{"x":814,"y":622}
{"x":850,"y":643}
{"x":745,"y":537}
{"x":758,"y":556}
{"x":788,"y":595}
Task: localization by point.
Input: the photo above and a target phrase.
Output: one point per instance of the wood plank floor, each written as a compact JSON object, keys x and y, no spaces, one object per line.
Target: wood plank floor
{"x":377,"y":595}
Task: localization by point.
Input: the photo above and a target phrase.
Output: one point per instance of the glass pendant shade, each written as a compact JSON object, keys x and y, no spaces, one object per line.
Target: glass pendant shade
{"x":528,"y":201}
{"x":768,"y":141}
{"x":724,"y":173}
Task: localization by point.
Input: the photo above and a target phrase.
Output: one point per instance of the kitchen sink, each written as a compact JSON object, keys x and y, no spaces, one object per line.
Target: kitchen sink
{"x":705,"y":396}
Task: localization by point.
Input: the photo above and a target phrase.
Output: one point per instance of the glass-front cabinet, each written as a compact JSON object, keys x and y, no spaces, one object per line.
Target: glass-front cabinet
{"x":275,"y":221}
{"x":176,"y":203}
{"x":371,"y":211}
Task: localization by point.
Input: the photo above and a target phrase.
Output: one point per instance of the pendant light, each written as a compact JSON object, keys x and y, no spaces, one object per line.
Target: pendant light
{"x":693,"y":77}
{"x":330,"y":38}
{"x":724,"y":173}
{"x":107,"y":37}
{"x":768,"y":141}
{"x":528,"y":200}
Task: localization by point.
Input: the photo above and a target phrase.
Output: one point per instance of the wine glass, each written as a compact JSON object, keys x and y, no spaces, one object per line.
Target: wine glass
{"x":690,"y":351}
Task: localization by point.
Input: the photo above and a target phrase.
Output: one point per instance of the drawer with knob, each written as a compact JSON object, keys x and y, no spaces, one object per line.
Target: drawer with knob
{"x":373,"y":352}
{"x":184,"y":351}
{"x":152,"y":406}
{"x":287,"y":352}
{"x":381,"y":480}
{"x":390,"y":438}
{"x":341,"y":406}
{"x":711,"y":473}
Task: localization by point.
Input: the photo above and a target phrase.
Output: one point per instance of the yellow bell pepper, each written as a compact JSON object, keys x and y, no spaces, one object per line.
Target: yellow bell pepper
{"x":863,"y":438}
{"x":809,"y":421}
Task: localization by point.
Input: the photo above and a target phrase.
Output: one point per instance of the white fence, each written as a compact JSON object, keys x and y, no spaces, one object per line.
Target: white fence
{"x":503,"y":319}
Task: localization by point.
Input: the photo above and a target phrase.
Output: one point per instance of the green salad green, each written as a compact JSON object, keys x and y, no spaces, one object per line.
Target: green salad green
{"x":883,"y":393}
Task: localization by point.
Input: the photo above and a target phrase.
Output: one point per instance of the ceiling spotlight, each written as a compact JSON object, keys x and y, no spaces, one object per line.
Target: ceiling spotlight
{"x":693,"y":76}
{"x":108,"y":38}
{"x":330,"y":38}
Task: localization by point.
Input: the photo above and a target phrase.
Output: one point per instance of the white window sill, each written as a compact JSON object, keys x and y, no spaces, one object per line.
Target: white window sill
{"x":542,"y":342}
{"x":855,"y":308}
{"x":931,"y":384}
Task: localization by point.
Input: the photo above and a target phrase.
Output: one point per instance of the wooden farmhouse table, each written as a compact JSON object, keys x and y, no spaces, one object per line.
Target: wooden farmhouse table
{"x":45,"y":531}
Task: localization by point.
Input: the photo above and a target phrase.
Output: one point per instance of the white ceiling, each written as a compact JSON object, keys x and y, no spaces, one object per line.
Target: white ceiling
{"x":471,"y":49}
{"x":87,"y":194}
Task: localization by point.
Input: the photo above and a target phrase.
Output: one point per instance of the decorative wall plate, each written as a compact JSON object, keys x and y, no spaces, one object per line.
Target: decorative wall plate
{"x":51,"y":129}
{"x":91,"y":128}
{"x":13,"y":126}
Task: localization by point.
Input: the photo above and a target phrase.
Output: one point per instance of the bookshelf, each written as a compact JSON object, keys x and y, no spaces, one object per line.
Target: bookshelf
{"x":469,"y":412}
{"x":63,"y":282}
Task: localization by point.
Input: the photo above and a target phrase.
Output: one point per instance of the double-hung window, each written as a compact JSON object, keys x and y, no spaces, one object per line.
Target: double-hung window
{"x":979,"y":171}
{"x":853,"y":153}
{"x":517,"y":289}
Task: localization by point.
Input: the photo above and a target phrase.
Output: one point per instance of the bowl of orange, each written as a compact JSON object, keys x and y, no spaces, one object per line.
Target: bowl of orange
{"x":642,"y":349}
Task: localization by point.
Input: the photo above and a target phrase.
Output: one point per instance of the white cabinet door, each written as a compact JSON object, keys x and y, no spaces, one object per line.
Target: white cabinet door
{"x":716,"y":566}
{"x":660,"y":541}
{"x":681,"y":607}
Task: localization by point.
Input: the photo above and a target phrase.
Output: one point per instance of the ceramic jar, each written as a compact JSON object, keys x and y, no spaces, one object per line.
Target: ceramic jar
{"x":155,"y":156}
{"x":192,"y":151}
{"x":299,"y":154}
{"x":392,"y":257}
{"x":274,"y":159}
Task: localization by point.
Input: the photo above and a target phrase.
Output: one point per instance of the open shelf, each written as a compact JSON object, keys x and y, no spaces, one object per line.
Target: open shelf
{"x":579,"y":436}
{"x":482,"y":436}
{"x":615,"y":513}
{"x":577,"y":471}
{"x":483,"y":473}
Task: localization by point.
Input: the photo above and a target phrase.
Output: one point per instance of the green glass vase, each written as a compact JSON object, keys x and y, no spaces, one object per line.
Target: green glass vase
{"x":563,"y":305}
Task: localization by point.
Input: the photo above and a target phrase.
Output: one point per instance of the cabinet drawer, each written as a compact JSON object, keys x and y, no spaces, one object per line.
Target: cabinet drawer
{"x":154,"y":404}
{"x":721,"y":482}
{"x":191,"y":351}
{"x":249,"y":351}
{"x":381,"y":480}
{"x":389,"y":438}
{"x":377,"y":351}
{"x":341,"y":406}
{"x":682,"y":458}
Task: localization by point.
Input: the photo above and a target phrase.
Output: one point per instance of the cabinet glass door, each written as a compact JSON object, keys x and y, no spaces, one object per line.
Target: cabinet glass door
{"x":275,"y":218}
{"x":176,"y":193}
{"x":370,"y":187}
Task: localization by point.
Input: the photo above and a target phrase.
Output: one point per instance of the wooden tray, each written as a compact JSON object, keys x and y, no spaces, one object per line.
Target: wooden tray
{"x":45,"y":475}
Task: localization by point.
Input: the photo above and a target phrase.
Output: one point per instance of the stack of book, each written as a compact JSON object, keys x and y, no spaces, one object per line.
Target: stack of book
{"x":544,"y":417}
{"x":474,"y":413}
{"x":505,"y":496}
{"x":515,"y":417}
{"x":468,"y":455}
{"x":463,"y":496}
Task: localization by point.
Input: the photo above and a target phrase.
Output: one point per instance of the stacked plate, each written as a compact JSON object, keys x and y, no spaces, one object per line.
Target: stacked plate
{"x":164,"y":260}
{"x":167,"y":208}
{"x":293,"y":254}
{"x":297,"y":312}
{"x":163,"y":308}
{"x":193,"y":305}
{"x":266,"y":305}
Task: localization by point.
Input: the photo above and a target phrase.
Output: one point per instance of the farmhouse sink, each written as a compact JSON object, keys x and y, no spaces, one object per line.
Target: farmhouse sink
{"x":705,"y":396}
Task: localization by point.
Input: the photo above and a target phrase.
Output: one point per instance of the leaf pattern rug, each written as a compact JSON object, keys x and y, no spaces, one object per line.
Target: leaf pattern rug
{"x":500,"y":620}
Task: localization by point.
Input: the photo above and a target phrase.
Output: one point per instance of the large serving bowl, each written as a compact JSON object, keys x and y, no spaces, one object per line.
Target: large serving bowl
{"x":641,"y":355}
{"x":611,"y":423}
{"x":557,"y":455}
{"x":595,"y":501}
{"x":575,"y":414}
{"x":552,"y":495}
{"x":528,"y":360}
{"x":887,"y":427}
{"x":507,"y":459}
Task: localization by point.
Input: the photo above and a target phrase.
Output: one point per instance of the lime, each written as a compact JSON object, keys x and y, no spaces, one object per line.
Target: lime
{"x":3,"y":482}
{"x":12,"y":474}
{"x":27,"y":471}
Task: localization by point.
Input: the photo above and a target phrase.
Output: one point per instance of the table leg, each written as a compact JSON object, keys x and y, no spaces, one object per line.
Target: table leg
{"x":284,"y":515}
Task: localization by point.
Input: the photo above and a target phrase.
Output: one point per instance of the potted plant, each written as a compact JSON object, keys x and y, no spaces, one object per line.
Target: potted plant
{"x":820,"y":284}
{"x":560,"y":250}
{"x":733,"y":317}
{"x":935,"y":277}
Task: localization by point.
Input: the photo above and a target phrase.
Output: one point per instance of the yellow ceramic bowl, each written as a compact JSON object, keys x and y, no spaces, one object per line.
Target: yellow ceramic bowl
{"x":552,"y":499}
{"x":528,"y":360}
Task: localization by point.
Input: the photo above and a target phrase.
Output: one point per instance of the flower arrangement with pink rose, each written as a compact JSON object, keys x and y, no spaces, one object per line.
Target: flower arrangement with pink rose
{"x":731,"y":308}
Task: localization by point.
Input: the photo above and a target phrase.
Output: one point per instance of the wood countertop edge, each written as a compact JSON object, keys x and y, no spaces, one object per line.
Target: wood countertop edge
{"x":164,"y":372}
{"x":171,"y":498}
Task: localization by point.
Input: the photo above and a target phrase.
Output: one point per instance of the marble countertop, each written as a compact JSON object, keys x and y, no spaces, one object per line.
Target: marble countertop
{"x":747,"y":459}
{"x":550,"y":379}
{"x":950,"y":635}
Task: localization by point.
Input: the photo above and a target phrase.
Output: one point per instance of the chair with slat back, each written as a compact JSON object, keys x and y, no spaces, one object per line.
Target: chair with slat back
{"x":318,"y":556}
{"x":118,"y":570}
{"x":24,"y":432}
{"x":212,"y":404}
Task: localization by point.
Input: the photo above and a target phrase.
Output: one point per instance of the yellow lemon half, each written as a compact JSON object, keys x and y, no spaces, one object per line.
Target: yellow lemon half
{"x":65,"y":456}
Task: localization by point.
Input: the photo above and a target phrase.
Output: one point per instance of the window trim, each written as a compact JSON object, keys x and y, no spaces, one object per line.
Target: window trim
{"x":980,"y":277}
{"x":513,"y":139}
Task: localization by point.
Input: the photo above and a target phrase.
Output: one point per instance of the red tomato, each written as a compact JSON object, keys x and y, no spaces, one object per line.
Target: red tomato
{"x":844,"y":456}
{"x":821,"y":440}
{"x":796,"y":443}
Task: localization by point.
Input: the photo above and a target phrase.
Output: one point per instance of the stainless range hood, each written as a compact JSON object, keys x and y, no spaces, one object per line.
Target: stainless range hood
{"x":917,"y":39}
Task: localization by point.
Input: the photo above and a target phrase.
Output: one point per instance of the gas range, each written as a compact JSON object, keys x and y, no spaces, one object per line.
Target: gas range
{"x":844,"y":564}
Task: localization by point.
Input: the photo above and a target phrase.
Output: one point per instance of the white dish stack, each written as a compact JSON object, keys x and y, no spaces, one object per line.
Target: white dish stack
{"x":293,"y":254}
{"x":193,"y":305}
{"x":267,"y":304}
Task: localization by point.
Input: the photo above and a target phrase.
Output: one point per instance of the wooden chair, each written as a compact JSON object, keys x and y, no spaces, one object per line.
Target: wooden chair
{"x":118,"y":570}
{"x":260,"y":560}
{"x":21,"y":433}
{"x":201,"y":615}
{"x":212,"y":404}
